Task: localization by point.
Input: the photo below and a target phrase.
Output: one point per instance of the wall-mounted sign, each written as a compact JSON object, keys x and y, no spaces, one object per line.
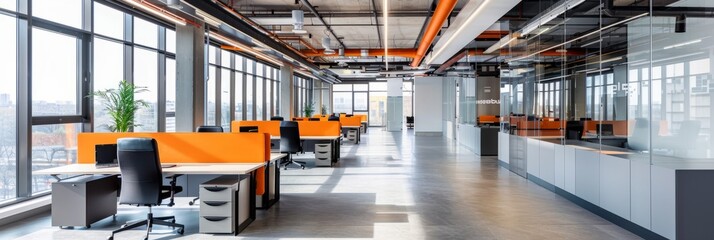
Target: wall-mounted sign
{"x":488,"y":102}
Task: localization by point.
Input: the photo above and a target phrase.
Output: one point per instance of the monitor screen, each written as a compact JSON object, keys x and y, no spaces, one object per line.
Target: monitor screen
{"x":105,"y":153}
{"x":248,"y":129}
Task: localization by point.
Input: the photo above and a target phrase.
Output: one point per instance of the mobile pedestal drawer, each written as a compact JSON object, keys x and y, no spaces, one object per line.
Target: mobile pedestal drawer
{"x":323,"y":154}
{"x":225,"y":204}
{"x":81,"y":201}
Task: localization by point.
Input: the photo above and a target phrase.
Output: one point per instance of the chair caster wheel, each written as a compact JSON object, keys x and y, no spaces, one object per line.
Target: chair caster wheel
{"x":180,"y":231}
{"x":88,"y":226}
{"x":303,"y":167}
{"x":190,"y":203}
{"x":110,"y":238}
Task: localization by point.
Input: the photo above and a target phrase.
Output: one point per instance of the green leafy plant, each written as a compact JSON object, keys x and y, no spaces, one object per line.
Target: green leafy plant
{"x":323,"y":110}
{"x":309,"y":109}
{"x":121,"y":106}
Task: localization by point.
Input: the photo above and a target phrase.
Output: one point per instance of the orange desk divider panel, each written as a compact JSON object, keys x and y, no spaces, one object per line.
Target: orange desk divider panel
{"x":319,"y":128}
{"x":363,"y":117}
{"x":619,"y":126}
{"x":191,"y":148}
{"x":269,"y":127}
{"x":351,"y":121}
{"x":487,"y":118}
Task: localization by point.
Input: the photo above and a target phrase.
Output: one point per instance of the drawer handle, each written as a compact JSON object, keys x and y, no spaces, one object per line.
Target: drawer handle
{"x":215,"y":219}
{"x":322,"y":152}
{"x":322,"y":159}
{"x":214,"y":203}
{"x":215,"y":189}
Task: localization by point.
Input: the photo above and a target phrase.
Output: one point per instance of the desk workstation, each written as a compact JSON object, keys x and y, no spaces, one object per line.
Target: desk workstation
{"x":321,"y":137}
{"x":189,"y":161}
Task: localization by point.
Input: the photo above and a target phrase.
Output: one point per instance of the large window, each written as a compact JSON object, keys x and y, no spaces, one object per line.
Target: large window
{"x":8,"y":106}
{"x":108,"y":72}
{"x":145,"y":76}
{"x":67,"y":12}
{"x":54,"y":73}
{"x":303,"y":95}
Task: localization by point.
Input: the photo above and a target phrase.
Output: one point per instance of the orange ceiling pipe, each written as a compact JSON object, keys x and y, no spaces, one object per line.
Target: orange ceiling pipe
{"x":492,"y":34}
{"x":443,"y":10}
{"x":399,"y":52}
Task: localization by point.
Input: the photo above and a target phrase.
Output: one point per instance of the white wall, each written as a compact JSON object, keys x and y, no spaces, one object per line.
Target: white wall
{"x":428,"y":105}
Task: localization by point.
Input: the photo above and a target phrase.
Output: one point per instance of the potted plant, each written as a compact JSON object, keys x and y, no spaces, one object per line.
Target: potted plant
{"x":309,"y":109}
{"x":121,"y":105}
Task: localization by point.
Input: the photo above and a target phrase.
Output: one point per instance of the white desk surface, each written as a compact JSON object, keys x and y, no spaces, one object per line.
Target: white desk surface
{"x":180,"y":168}
{"x":277,"y":156}
{"x":310,"y":138}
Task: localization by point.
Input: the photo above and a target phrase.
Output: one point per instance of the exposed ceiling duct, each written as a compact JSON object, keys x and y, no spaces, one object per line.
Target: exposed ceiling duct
{"x":175,"y":4}
{"x":442,"y":12}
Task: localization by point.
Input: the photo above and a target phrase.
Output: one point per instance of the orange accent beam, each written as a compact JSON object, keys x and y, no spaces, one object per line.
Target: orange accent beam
{"x":492,"y":34}
{"x":442,"y":12}
{"x":399,"y":52}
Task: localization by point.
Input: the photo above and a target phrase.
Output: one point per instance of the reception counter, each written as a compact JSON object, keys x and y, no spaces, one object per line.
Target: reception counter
{"x":669,"y":197}
{"x":482,"y":140}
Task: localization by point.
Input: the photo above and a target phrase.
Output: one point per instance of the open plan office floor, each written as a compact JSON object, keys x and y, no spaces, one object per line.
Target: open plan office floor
{"x":391,"y":186}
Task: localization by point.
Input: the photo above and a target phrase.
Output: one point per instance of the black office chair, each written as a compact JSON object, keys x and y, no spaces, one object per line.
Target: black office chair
{"x":290,"y":142}
{"x":333,"y":118}
{"x":276,"y":118}
{"x":574,"y":130}
{"x":410,"y":122}
{"x":206,"y":128}
{"x":142,"y":182}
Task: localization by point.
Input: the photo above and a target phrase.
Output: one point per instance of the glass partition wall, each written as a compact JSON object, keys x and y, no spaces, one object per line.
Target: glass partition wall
{"x":635,"y":80}
{"x":369,"y":98}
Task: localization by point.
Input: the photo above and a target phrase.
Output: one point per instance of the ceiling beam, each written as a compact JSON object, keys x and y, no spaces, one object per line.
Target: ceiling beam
{"x":376,"y":21}
{"x":314,"y":12}
{"x":233,"y":21}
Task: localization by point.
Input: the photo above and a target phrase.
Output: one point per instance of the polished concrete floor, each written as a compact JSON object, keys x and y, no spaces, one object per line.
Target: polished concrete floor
{"x":390,"y":186}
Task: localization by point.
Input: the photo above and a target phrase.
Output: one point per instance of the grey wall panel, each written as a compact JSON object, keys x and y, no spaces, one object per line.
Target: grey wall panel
{"x":640,"y":193}
{"x":533,"y":156}
{"x":615,"y":185}
{"x":547,"y":162}
{"x":569,"y":169}
{"x":559,"y":165}
{"x":663,"y":201}
{"x":503,"y":145}
{"x":587,"y":175}
{"x":695,"y":212}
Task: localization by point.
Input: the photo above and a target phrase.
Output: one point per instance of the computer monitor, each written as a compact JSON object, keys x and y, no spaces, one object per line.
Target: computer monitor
{"x":605,"y":130}
{"x":105,"y":155}
{"x":313,"y":119}
{"x":248,"y":129}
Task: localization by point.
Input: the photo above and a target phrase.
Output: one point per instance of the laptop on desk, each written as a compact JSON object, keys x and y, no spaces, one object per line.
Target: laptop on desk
{"x":105,"y":156}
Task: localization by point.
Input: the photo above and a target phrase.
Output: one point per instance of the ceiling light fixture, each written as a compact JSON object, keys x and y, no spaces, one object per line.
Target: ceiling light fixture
{"x":156,"y":10}
{"x":550,"y":14}
{"x":298,"y":21}
{"x":385,"y":5}
{"x":578,"y":38}
{"x":682,"y":44}
{"x":175,"y":4}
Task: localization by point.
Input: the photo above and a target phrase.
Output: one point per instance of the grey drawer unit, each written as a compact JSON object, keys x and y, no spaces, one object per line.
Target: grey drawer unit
{"x":323,"y":154}
{"x":224,"y":204}
{"x":82,"y":201}
{"x":352,"y":135}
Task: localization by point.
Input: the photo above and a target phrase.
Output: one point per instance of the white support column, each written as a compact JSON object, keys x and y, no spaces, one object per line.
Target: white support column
{"x":190,"y":78}
{"x":286,"y":92}
{"x":395,"y":103}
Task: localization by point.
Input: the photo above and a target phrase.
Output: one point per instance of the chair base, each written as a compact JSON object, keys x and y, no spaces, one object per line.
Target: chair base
{"x":150,"y":221}
{"x":291,"y":162}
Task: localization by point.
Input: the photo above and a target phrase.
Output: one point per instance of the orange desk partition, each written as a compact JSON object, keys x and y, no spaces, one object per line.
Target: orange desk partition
{"x":363,"y":117}
{"x":269,"y":127}
{"x":192,"y":148}
{"x":351,"y":121}
{"x":487,"y":119}
{"x":319,"y":128}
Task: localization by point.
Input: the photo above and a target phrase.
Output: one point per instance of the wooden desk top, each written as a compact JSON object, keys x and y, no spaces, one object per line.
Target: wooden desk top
{"x":180,"y":168}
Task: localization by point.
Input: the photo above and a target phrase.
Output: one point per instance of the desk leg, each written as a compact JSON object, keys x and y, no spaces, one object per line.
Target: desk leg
{"x":251,"y":205}
{"x":272,"y":182}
